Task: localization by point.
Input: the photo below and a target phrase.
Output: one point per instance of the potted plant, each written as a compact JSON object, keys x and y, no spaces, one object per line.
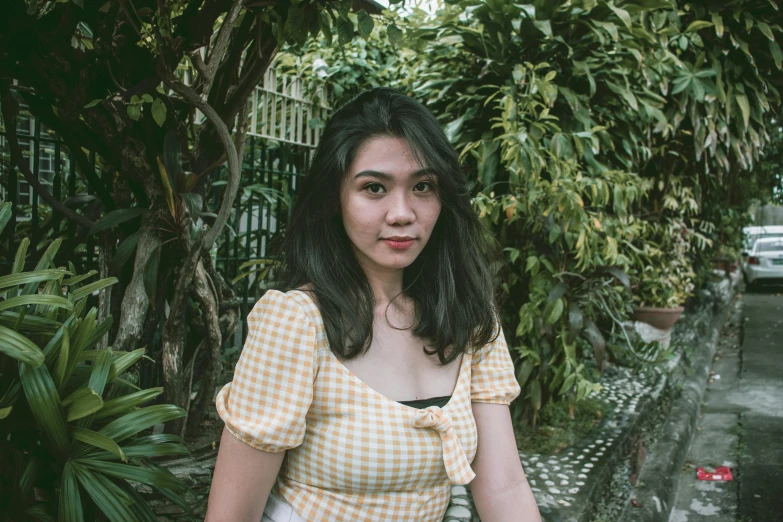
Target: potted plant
{"x":663,"y":277}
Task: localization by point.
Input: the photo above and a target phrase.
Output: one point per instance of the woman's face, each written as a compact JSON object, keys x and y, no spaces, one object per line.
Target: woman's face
{"x":389,"y":205}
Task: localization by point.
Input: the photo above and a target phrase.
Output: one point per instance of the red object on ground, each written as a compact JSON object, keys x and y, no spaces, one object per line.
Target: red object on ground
{"x":722,"y":473}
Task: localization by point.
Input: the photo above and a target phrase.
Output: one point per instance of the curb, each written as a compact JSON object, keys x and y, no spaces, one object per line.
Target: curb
{"x":655,"y":495}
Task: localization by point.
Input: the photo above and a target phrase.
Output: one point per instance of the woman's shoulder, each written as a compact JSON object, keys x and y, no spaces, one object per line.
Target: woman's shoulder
{"x":296,"y":301}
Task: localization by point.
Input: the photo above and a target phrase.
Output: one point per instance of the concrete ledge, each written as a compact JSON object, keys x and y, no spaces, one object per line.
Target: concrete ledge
{"x":655,"y":495}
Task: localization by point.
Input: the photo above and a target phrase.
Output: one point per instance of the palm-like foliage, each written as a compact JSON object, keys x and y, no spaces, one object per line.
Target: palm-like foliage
{"x":72,"y":424}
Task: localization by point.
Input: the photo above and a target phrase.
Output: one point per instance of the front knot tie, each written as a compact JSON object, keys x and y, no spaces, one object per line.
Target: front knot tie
{"x":432,"y":417}
{"x":457,"y":466}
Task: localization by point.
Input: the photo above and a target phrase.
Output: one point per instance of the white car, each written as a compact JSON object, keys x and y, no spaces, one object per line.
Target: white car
{"x":764,"y":262}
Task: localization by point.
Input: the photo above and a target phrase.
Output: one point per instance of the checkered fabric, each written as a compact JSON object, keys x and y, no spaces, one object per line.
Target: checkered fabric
{"x":352,"y":453}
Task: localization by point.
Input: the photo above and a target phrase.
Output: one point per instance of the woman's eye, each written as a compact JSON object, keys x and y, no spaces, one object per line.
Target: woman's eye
{"x":424,"y":186}
{"x":374,"y":188}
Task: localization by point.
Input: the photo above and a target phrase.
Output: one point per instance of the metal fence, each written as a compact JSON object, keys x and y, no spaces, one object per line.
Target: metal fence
{"x":284,"y":128}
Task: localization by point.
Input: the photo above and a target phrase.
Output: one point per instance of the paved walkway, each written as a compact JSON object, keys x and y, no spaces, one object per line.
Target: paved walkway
{"x":741,"y":424}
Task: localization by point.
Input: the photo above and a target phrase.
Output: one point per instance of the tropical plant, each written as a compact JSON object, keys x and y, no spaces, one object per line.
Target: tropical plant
{"x":73,"y":431}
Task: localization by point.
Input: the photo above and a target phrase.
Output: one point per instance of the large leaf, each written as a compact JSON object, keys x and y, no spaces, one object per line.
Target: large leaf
{"x":110,"y":499}
{"x":123,"y":361}
{"x":70,"y":505}
{"x":60,"y":377}
{"x":6,"y":211}
{"x":78,"y":279}
{"x":81,"y":403}
{"x":596,"y":339}
{"x":162,"y":479}
{"x":86,"y":290}
{"x":621,"y":276}
{"x":37,"y":276}
{"x":19,"y":347}
{"x":155,"y":450}
{"x":36,"y":299}
{"x":45,"y":406}
{"x":46,"y":260}
{"x":137,"y":421}
{"x":115,"y":217}
{"x":126,"y":402}
{"x":21,"y":255}
{"x":95,"y":439}
{"x":575,"y":321}
{"x":123,"y":252}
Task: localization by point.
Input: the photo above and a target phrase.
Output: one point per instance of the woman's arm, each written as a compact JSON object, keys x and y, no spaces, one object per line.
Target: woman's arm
{"x":500,"y":490}
{"x":242,"y":481}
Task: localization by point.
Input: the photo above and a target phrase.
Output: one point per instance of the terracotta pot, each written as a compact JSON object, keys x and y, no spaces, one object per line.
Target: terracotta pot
{"x":660,"y":318}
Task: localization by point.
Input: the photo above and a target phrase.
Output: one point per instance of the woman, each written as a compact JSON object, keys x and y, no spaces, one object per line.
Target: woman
{"x":376,"y":376}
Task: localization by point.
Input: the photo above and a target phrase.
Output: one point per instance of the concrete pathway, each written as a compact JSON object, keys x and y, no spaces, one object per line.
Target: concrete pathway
{"x":741,"y":423}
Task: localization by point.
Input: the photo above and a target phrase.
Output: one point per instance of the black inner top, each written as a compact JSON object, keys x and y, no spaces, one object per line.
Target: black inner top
{"x":426,"y":403}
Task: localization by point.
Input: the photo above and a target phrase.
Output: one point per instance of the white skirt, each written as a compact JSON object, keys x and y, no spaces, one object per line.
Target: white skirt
{"x":278,"y":510}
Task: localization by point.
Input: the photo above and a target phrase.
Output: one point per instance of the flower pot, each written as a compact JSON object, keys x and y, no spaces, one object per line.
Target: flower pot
{"x":660,"y":318}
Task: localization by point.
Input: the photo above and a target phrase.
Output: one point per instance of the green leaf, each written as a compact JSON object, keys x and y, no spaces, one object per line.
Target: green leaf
{"x":151,"y":274}
{"x":774,"y":48}
{"x":575,"y":321}
{"x":124,"y":252}
{"x":110,"y":499}
{"x":97,"y":440}
{"x":134,"y":112}
{"x":596,"y":339}
{"x":366,"y":24}
{"x":62,"y":360}
{"x":123,"y":361}
{"x":86,"y":290}
{"x":100,"y":372}
{"x":93,"y":103}
{"x":161,"y":479}
{"x":698,"y":25}
{"x":81,"y":403}
{"x":535,"y":394}
{"x":70,"y":505}
{"x":136,"y":421}
{"x":744,"y":105}
{"x":45,"y":406}
{"x":155,"y":450}
{"x":47,"y":260}
{"x":78,"y":279}
{"x":36,"y":299}
{"x":126,"y":402}
{"x":622,"y":14}
{"x":36,"y":276}
{"x":115,"y":217}
{"x":5,"y":412}
{"x":621,"y":276}
{"x":6,"y":211}
{"x":764,"y":28}
{"x":553,"y":311}
{"x":544,"y":26}
{"x":19,"y":347}
{"x":345,"y":31}
{"x":394,"y":34}
{"x":523,"y":374}
{"x":717,"y":20}
{"x":159,"y":112}
{"x":21,"y":254}
{"x":558,"y":291}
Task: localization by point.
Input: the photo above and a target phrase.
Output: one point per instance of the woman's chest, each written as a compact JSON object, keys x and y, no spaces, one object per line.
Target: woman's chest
{"x":360,"y":441}
{"x":397,"y":366}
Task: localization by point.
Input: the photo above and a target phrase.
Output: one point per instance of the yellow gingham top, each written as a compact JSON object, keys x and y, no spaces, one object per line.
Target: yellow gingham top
{"x":352,"y":453}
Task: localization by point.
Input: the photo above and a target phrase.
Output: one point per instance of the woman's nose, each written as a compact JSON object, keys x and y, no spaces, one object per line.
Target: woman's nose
{"x":400,"y":211}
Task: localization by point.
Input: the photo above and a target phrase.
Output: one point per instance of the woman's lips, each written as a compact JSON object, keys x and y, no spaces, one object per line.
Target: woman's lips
{"x":399,"y":244}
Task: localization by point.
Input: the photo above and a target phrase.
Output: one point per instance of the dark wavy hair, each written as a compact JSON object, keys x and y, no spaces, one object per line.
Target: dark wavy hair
{"x":449,"y":283}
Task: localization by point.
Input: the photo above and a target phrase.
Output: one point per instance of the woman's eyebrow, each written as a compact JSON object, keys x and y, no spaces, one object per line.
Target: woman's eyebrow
{"x":421,"y":173}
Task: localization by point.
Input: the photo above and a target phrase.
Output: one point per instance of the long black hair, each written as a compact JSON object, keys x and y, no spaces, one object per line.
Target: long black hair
{"x":450,"y":282}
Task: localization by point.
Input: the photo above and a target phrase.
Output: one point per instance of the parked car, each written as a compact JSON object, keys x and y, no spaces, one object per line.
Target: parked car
{"x":752,"y":234}
{"x":764,"y":262}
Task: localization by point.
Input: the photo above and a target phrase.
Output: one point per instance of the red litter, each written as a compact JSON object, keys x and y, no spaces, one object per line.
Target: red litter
{"x":721,"y":473}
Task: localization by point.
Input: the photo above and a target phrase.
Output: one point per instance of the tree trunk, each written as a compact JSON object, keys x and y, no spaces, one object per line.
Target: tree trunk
{"x":135,"y":302}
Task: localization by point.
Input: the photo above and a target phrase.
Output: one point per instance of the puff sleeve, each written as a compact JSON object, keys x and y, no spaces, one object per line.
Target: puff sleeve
{"x":266,"y":403}
{"x":492,"y":376}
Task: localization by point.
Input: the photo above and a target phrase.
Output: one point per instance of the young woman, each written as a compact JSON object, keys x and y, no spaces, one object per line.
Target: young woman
{"x":377,"y":375}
